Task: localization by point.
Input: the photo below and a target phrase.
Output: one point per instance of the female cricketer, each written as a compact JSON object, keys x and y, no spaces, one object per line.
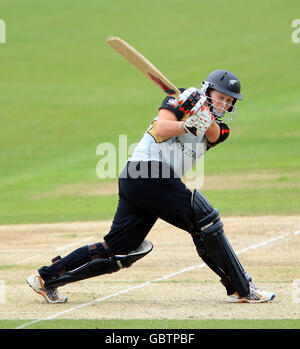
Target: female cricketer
{"x":150,"y":187}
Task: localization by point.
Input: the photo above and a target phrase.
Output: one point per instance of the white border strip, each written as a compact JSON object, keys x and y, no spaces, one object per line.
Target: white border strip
{"x":252,"y":247}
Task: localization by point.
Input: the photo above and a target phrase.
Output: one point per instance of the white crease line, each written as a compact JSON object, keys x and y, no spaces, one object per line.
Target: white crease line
{"x":261,"y":244}
{"x":85,"y":305}
{"x":180,"y":272}
{"x":264,"y":243}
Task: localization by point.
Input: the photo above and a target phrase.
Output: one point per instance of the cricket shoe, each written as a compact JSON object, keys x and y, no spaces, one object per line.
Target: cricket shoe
{"x":256,"y":295}
{"x":50,"y":294}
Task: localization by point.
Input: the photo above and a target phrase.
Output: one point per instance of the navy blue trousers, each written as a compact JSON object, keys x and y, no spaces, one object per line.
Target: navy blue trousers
{"x":157,"y":193}
{"x":142,"y":201}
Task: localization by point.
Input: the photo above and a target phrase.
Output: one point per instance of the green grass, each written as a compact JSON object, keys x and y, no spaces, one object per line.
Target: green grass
{"x":80,"y":208}
{"x":155,"y":324}
{"x":245,"y":202}
{"x":63,"y":91}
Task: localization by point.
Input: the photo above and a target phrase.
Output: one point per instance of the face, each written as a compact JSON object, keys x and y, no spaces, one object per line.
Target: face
{"x":220,"y":101}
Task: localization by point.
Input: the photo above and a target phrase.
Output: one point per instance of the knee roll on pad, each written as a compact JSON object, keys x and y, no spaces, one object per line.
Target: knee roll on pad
{"x":204,"y":213}
{"x":99,"y":266}
{"x":213,"y":246}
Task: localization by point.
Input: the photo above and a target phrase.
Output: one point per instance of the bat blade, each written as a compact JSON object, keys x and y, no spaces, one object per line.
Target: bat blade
{"x":143,"y":65}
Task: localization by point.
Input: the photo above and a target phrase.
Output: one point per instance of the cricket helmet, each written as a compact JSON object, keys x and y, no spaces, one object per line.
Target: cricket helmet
{"x":226,"y":82}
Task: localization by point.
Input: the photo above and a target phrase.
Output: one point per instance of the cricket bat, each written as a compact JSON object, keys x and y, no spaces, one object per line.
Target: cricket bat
{"x":143,"y":65}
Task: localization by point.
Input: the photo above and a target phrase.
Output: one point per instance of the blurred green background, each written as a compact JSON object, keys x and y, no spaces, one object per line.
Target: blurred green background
{"x":64,"y":91}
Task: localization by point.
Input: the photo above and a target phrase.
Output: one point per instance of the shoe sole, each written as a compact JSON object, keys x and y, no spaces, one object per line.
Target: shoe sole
{"x":37,"y":290}
{"x":40,"y":292}
{"x":261,"y":300}
{"x":251,"y":301}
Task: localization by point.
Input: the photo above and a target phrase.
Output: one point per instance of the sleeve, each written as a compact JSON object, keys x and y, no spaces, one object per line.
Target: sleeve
{"x":166,"y":104}
{"x":224,"y":134}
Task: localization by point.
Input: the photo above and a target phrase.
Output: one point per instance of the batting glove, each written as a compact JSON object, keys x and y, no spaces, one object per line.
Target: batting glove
{"x":198,"y":123}
{"x":187,"y":100}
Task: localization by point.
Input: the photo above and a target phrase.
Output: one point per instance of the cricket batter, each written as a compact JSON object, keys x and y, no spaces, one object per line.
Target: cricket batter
{"x":150,"y":188}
